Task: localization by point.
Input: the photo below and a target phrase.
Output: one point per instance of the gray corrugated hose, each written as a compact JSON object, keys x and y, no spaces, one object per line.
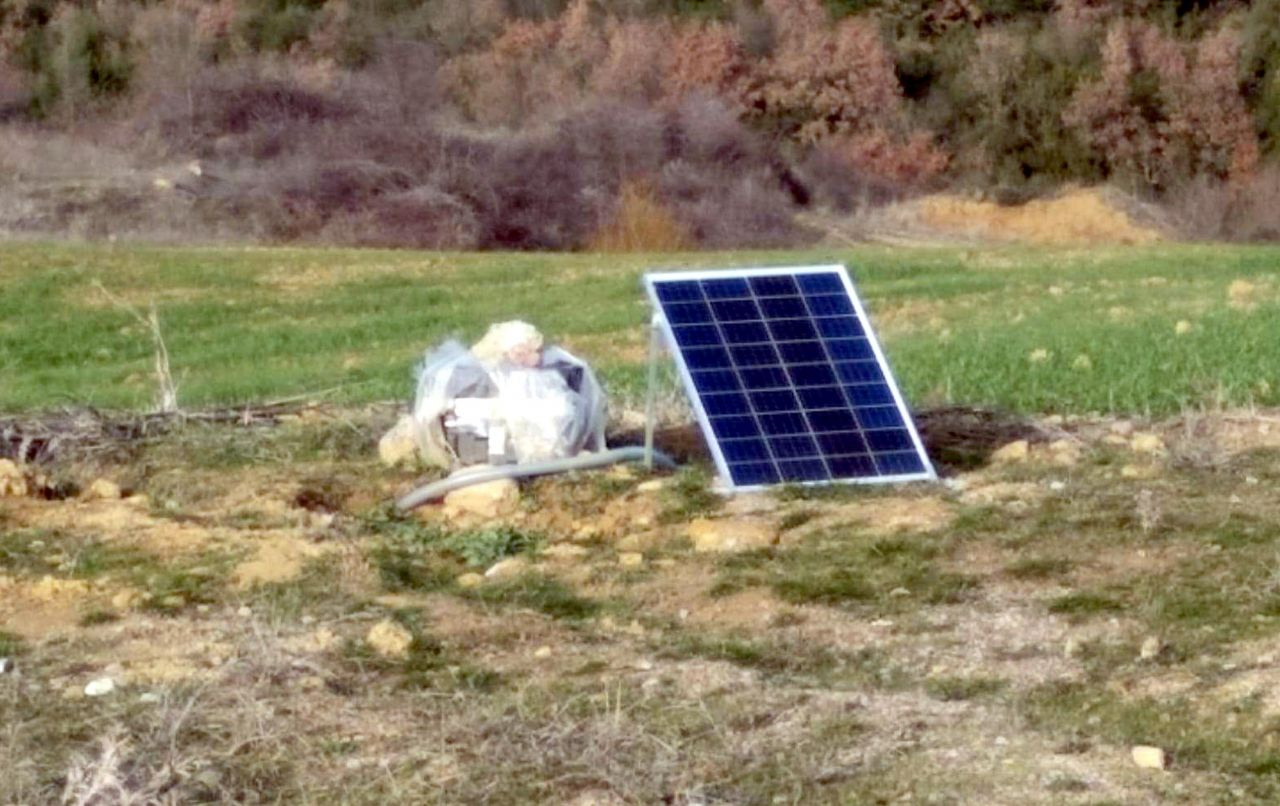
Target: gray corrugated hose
{"x":586,"y":461}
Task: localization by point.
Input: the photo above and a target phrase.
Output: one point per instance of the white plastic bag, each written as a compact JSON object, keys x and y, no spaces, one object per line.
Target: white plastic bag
{"x":530,"y":404}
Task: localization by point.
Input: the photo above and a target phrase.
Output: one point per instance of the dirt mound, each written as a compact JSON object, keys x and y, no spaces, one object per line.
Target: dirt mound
{"x":1085,"y":216}
{"x":1082,"y":216}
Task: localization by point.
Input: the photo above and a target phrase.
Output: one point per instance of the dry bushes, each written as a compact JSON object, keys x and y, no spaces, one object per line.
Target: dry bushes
{"x":1243,"y":210}
{"x":641,"y":224}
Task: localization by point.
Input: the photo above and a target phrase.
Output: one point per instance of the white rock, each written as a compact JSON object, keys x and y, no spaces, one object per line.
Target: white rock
{"x":731,"y":534}
{"x":565,"y":551}
{"x":631,"y":559}
{"x":389,"y":639}
{"x":492,"y":499}
{"x":651,"y":486}
{"x":244,"y":611}
{"x":1147,"y":443}
{"x":509,"y":568}
{"x":398,"y":446}
{"x":1148,"y":757}
{"x":1072,"y":648}
{"x":1151,"y":648}
{"x":6,"y":665}
{"x":99,"y":687}
{"x":470,"y":580}
{"x":542,"y":652}
{"x":13,"y":482}
{"x":149,"y":697}
{"x":1016,"y":451}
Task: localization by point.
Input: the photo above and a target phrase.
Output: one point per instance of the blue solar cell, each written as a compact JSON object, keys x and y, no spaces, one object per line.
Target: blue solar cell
{"x":839,"y":327}
{"x":689,"y":313}
{"x":858,"y":371}
{"x":797,"y":447}
{"x":830,"y":305}
{"x":726,"y":289}
{"x":721,"y":404}
{"x":782,"y":424}
{"x":787,"y":376}
{"x":812,"y":375}
{"x":842,"y":443}
{"x":764,"y":377}
{"x":784,"y":308}
{"x":804,"y":470}
{"x":851,"y":350}
{"x":824,"y":283}
{"x":887,"y":441}
{"x":822,"y":397}
{"x":832,"y":420}
{"x":802,"y":352}
{"x":900,"y":463}
{"x":854,"y":466}
{"x":774,"y":286}
{"x":735,"y":310}
{"x":697,"y":335}
{"x":869,"y":394}
{"x":754,"y":473}
{"x":735,"y":427}
{"x":879,"y":417}
{"x":745,"y":450}
{"x":708,"y":358}
{"x":774,"y":401}
{"x":716,"y":380}
{"x":792,"y":330}
{"x":745,"y":332}
{"x":754,"y":355}
{"x":679,"y":292}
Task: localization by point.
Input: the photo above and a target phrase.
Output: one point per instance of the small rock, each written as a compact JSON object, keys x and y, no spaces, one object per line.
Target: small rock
{"x":1148,"y":757}
{"x":651,"y":486}
{"x":898,"y":593}
{"x":1139,"y":472}
{"x":149,"y":697}
{"x":1057,"y":486}
{"x":469,"y":580}
{"x":389,"y":639}
{"x":565,"y":551}
{"x":1151,"y":648}
{"x":6,"y":665}
{"x":399,"y":445}
{"x":631,"y":559}
{"x":311,"y":682}
{"x":1072,"y":648}
{"x":1147,"y":443}
{"x":542,"y":652}
{"x":1064,"y":452}
{"x":124,"y":600}
{"x":102,"y":490}
{"x":1251,"y":480}
{"x":1182,"y":328}
{"x":509,"y":568}
{"x":1122,"y":428}
{"x":99,"y":687}
{"x":731,"y":535}
{"x":13,"y":482}
{"x":244,"y":611}
{"x":1013,"y":452}
{"x":490,"y":500}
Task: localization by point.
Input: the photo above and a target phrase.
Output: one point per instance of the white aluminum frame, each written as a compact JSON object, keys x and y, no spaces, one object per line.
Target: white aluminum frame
{"x":704,"y":422}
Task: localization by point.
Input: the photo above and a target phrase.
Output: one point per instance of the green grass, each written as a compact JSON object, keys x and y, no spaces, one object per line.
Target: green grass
{"x":959,"y":324}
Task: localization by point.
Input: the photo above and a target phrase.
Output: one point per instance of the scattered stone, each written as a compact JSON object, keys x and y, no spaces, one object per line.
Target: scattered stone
{"x":565,"y":551}
{"x":1057,"y":486}
{"x":1017,"y":451}
{"x":1182,"y":328}
{"x":1251,"y":480}
{"x":1147,"y":443}
{"x":1241,"y":294}
{"x":631,"y":559}
{"x":731,"y":534}
{"x":652,"y":485}
{"x":1139,"y":472}
{"x":1148,"y":757}
{"x":244,"y":611}
{"x":1151,"y":648}
{"x":1122,"y":428}
{"x":509,"y":568}
{"x":102,"y":490}
{"x":13,"y":482}
{"x":490,"y":500}
{"x":1072,"y":648}
{"x":389,"y":639}
{"x":898,"y":593}
{"x":542,"y":652}
{"x":470,"y":580}
{"x":6,"y":665}
{"x":1065,"y":452}
{"x":149,"y":698}
{"x":398,"y":446}
{"x":99,"y":687}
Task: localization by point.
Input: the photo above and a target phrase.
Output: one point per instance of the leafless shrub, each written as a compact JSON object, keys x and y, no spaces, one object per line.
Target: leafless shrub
{"x":1240,"y":210}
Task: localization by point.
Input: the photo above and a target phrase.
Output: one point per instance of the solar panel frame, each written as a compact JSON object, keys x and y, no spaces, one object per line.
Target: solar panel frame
{"x":718,"y":290}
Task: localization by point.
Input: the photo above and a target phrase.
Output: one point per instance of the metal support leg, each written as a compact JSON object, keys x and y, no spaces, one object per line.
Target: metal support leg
{"x":655,"y":345}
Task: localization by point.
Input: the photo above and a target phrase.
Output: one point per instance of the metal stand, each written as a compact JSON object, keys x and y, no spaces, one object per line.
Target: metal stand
{"x":655,"y":347}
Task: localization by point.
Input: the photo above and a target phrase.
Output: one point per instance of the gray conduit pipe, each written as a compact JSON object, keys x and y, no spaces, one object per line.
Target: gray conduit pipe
{"x":437,"y":489}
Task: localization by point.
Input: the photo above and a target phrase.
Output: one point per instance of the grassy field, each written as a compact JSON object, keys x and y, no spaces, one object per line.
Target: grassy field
{"x":1033,"y":330}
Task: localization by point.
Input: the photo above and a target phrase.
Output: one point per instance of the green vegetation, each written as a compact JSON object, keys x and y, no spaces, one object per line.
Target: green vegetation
{"x":1073,"y":331}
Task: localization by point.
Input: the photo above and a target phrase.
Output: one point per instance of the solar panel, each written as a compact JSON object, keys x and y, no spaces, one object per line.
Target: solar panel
{"x":786,"y":377}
